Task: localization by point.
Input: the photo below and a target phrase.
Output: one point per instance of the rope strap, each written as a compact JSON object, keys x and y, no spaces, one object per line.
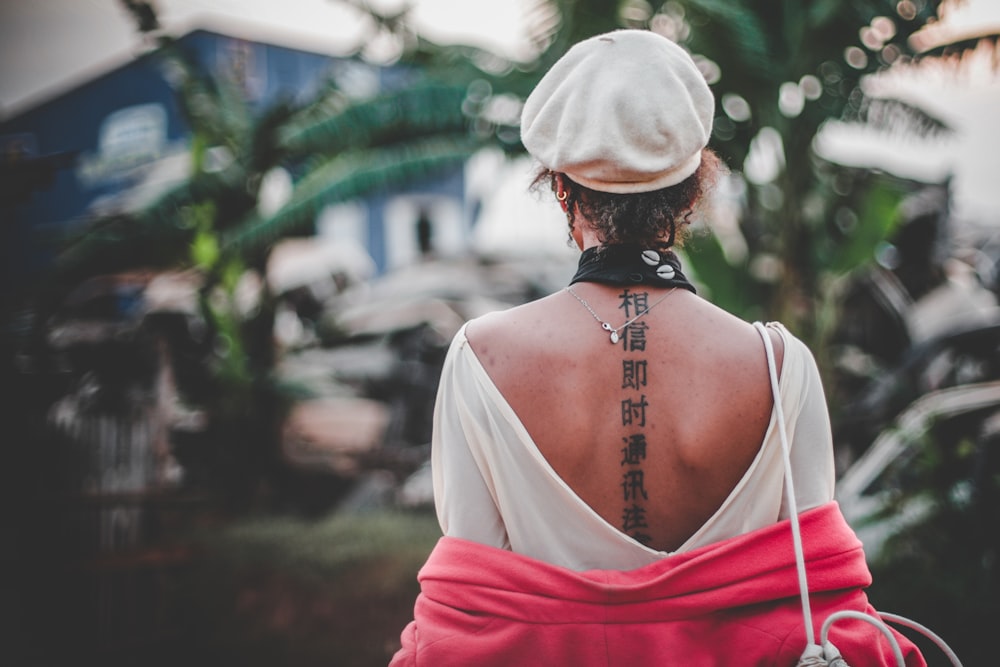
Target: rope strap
{"x":827,"y":655}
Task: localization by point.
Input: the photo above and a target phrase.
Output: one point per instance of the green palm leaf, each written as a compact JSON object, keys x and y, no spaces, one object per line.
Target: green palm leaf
{"x":730,"y":27}
{"x":424,"y":109}
{"x":349,"y":176}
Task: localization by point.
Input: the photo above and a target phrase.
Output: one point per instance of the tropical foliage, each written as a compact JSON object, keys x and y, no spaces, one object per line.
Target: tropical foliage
{"x":779,"y":72}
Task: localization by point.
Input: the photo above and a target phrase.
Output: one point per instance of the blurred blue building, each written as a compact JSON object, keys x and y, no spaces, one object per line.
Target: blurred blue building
{"x":115,"y":142}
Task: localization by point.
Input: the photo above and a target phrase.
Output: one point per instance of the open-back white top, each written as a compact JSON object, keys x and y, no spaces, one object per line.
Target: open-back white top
{"x":493,"y":486}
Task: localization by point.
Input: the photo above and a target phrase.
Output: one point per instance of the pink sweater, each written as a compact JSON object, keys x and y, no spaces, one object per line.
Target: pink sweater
{"x":731,"y":603}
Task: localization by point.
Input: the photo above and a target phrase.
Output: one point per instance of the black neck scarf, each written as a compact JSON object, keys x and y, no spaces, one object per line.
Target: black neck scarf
{"x":628,"y":264}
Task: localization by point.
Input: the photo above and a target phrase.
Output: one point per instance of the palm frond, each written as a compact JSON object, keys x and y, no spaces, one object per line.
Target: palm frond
{"x":263,"y":149}
{"x":897,"y":117}
{"x":349,"y":176}
{"x":965,"y":47}
{"x":420,"y":110}
{"x":732,"y":28}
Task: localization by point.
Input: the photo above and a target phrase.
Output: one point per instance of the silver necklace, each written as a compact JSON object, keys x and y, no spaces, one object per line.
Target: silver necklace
{"x":606,"y":325}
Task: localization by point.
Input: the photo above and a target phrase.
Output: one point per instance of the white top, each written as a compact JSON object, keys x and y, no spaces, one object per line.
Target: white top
{"x":492,"y":485}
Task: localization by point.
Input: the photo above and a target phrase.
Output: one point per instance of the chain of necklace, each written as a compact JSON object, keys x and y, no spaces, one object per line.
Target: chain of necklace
{"x":607,"y":326}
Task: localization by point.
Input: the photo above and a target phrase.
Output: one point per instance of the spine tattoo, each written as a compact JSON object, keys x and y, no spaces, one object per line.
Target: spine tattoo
{"x":634,"y":405}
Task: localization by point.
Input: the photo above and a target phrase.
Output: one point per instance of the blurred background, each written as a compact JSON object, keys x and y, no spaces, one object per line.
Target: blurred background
{"x":237,"y":238}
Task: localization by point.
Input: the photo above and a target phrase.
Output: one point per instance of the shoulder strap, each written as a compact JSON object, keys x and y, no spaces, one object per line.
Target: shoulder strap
{"x":789,"y":495}
{"x":827,"y":654}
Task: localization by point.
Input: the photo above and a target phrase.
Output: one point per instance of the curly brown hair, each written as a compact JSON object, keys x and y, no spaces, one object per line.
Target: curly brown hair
{"x":653,"y":219}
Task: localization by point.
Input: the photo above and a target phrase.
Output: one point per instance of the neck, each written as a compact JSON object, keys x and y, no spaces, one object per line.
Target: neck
{"x":584,"y":235}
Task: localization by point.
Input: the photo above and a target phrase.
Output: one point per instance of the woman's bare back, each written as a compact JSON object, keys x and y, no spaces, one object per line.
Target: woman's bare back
{"x":653,"y":432}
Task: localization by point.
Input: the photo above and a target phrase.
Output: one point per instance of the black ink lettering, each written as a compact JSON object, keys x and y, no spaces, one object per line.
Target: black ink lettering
{"x":635,"y":336}
{"x":634,"y":517}
{"x":634,"y":451}
{"x":633,"y":304}
{"x":633,"y":374}
{"x":632,"y":486}
{"x":634,"y":411}
{"x":634,"y":377}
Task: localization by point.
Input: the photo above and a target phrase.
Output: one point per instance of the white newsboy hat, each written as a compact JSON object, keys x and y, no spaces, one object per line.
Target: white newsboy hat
{"x":627,"y":111}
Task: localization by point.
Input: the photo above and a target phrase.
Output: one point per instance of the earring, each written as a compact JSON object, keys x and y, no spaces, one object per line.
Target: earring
{"x":562,"y":195}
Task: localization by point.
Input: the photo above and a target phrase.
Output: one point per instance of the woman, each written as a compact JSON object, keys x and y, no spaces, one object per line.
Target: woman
{"x":608,"y":466}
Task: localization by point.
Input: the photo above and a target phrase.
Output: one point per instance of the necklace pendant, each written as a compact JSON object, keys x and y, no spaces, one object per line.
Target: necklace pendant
{"x":614,"y":336}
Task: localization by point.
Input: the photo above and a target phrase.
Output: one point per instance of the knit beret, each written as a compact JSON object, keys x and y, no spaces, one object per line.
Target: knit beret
{"x":627,"y":111}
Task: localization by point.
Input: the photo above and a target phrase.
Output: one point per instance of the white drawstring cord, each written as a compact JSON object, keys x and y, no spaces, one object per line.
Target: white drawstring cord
{"x":793,"y":510}
{"x":879,"y":625}
{"x":926,"y":632}
{"x":828,"y":655}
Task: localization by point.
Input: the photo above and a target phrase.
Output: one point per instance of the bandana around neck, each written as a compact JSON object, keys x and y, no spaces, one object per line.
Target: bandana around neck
{"x":629,"y":264}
